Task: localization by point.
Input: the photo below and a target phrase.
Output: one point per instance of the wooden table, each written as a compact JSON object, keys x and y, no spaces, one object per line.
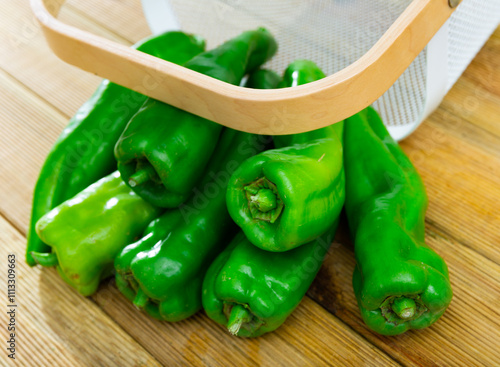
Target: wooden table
{"x":457,"y":151}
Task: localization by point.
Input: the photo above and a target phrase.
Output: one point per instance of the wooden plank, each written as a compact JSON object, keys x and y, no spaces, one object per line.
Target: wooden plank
{"x":123,"y":17}
{"x":463,"y":185}
{"x":473,"y":103}
{"x":54,"y":325}
{"x":466,"y":130}
{"x":26,"y":55}
{"x":484,"y":69}
{"x":468,"y":333}
{"x":476,"y":95}
{"x":28,"y":128}
{"x":310,"y":337}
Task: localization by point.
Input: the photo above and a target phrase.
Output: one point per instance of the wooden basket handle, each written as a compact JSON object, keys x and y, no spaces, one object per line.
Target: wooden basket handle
{"x":273,"y":112}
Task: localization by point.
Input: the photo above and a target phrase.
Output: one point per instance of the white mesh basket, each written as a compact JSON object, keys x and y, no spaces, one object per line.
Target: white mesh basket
{"x":336,"y":33}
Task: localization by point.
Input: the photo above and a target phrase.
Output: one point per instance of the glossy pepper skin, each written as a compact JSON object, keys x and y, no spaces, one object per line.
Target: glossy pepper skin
{"x":84,"y":152}
{"x":252,"y":291}
{"x":86,"y":232}
{"x":162,"y":273}
{"x":286,"y":197}
{"x":399,"y":282}
{"x":163,"y":151}
{"x":263,"y":79}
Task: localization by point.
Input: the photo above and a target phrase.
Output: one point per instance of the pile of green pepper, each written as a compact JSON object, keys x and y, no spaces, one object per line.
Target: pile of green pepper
{"x":187,"y":214}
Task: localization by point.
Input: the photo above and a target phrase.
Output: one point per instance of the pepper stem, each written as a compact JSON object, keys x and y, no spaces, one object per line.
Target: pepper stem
{"x":141,"y":176}
{"x":141,"y":299}
{"x":404,"y":307}
{"x":45,"y":258}
{"x":263,"y":199}
{"x":239,"y":315}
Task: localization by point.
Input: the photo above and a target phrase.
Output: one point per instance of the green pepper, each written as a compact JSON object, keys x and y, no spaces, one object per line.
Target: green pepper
{"x":162,"y":273}
{"x":84,"y":152}
{"x":87,"y":231}
{"x":263,"y":79}
{"x":252,"y":291}
{"x":399,"y":282}
{"x":286,"y":197}
{"x":163,"y":151}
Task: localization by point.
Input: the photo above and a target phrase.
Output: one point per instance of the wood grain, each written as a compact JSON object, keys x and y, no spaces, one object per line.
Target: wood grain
{"x":25,"y":55}
{"x":122,"y":17}
{"x":28,"y":128}
{"x":464,"y":193}
{"x":57,"y":327}
{"x":456,"y":150}
{"x":310,"y":337}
